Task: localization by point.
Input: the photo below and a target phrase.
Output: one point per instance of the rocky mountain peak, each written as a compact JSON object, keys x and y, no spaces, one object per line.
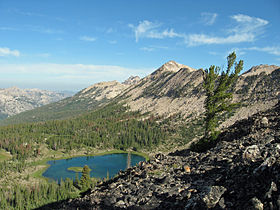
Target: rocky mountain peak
{"x":171,"y":66}
{"x":131,"y":80}
{"x":256,"y":70}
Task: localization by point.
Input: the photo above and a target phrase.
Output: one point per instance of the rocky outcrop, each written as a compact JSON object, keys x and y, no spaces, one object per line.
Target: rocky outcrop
{"x":15,"y":100}
{"x":102,"y":91}
{"x":132,"y":80}
{"x":241,"y":172}
{"x":264,"y":68}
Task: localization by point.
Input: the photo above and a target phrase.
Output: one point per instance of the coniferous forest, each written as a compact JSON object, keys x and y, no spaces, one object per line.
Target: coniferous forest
{"x":110,"y":127}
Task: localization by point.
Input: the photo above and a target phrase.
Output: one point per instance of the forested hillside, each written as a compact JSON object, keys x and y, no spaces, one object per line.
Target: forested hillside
{"x":111,"y":127}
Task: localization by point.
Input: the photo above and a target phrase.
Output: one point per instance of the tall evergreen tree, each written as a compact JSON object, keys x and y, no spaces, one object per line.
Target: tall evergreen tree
{"x":77,"y":181}
{"x":219,"y":88}
{"x":85,"y":179}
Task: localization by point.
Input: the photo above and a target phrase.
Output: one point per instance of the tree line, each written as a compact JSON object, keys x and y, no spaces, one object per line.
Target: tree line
{"x":29,"y":197}
{"x":110,"y":127}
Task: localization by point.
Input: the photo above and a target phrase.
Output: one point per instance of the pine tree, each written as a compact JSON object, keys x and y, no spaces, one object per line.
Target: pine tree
{"x":219,"y":90}
{"x":77,"y":181}
{"x":85,"y":179}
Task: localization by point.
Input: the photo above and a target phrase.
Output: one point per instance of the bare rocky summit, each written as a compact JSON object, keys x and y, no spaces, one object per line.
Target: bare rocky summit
{"x":171,"y":66}
{"x":15,"y":100}
{"x":132,"y":80}
{"x":241,"y":172}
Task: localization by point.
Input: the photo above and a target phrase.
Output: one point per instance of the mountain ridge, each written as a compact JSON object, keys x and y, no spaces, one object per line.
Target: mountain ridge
{"x":256,"y":70}
{"x":172,"y":89}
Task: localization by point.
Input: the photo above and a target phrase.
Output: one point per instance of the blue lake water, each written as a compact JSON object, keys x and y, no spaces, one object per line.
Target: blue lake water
{"x":99,"y":165}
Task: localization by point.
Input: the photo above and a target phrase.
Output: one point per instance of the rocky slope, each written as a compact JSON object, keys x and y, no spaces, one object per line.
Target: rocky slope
{"x":132,"y":80}
{"x":177,"y":89}
{"x":241,"y":172}
{"x":15,"y":100}
{"x":106,"y":90}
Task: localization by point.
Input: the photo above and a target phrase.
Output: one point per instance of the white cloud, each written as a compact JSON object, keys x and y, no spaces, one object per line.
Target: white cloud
{"x":247,"y":24}
{"x":147,"y":29}
{"x":246,"y":30}
{"x":271,"y":50}
{"x":88,"y":38}
{"x":4,"y":51}
{"x":209,"y":18}
{"x":200,"y":39}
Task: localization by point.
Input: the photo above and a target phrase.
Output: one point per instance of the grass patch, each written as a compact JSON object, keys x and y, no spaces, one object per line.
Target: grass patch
{"x":76,"y":169}
{"x":144,"y":155}
{"x":39,"y":174}
{"x":4,"y":155}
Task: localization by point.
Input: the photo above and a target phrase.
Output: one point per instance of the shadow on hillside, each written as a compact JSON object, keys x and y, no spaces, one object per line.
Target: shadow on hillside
{"x":242,"y":182}
{"x":243,"y":128}
{"x":51,"y":206}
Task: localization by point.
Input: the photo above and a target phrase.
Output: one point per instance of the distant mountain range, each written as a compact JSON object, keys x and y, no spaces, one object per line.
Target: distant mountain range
{"x":173,"y":89}
{"x":15,"y":100}
{"x":64,"y":107}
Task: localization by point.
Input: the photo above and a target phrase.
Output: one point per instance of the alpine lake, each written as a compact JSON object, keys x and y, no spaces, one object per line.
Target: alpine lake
{"x":103,"y":166}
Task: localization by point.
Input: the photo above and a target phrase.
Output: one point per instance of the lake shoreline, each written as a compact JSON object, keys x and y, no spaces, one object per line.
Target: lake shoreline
{"x":39,"y":174}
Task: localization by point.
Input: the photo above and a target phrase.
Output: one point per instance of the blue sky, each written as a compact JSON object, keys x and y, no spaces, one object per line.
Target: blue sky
{"x":71,"y":44}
